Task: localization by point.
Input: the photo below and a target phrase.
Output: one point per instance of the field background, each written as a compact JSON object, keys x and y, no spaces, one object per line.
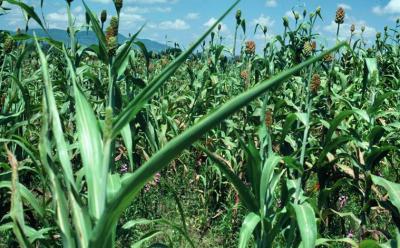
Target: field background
{"x":117,"y":141}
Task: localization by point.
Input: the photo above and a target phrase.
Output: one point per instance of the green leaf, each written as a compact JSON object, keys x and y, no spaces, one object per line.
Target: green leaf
{"x":103,"y":54}
{"x":376,"y":134}
{"x":332,"y":145}
{"x":167,"y":223}
{"x":372,"y":66}
{"x":122,"y":56}
{"x":323,"y":241}
{"x":355,"y":222}
{"x":243,"y":24}
{"x":27,"y":195}
{"x":247,"y":198}
{"x":392,"y":188}
{"x":290,"y":120}
{"x":91,"y":148}
{"x":133,"y":223}
{"x":374,"y":157}
{"x":16,"y":211}
{"x":378,"y":102}
{"x":303,"y":118}
{"x":248,"y":226}
{"x":59,"y":198}
{"x":129,"y":113}
{"x":369,"y":244}
{"x":253,"y":167}
{"x":307,"y":224}
{"x":29,"y":11}
{"x":26,"y":147}
{"x":148,"y":236}
{"x":62,"y":147}
{"x":146,"y":54}
{"x":113,"y":185}
{"x":335,"y":123}
{"x":164,"y":156}
{"x":266,"y":178}
{"x":127,"y":137}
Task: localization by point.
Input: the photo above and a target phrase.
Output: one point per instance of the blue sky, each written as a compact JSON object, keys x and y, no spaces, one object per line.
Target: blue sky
{"x":183,"y":20}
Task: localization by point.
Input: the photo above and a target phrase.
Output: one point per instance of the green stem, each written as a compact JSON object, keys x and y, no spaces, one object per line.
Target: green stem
{"x":337,"y":32}
{"x":111,"y":90}
{"x":234,"y":42}
{"x":135,"y":182}
{"x":71,"y":30}
{"x":306,"y":131}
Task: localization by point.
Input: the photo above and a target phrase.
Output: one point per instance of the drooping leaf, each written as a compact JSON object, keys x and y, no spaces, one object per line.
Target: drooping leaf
{"x":392,"y":188}
{"x":266,"y":177}
{"x":246,"y":196}
{"x":91,"y":148}
{"x":29,"y":11}
{"x":138,"y":179}
{"x":248,"y":226}
{"x":306,"y":223}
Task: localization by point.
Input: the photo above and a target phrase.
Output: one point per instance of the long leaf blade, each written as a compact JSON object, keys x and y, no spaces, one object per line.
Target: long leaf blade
{"x":392,"y":188}
{"x":248,"y":226}
{"x":307,"y":224}
{"x":137,"y":104}
{"x":161,"y":159}
{"x":91,"y":148}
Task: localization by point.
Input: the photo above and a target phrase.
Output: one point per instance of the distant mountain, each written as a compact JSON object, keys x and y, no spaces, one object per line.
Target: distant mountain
{"x":89,"y":38}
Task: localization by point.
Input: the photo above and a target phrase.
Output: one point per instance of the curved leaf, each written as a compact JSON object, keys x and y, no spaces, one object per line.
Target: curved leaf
{"x":248,"y":226}
{"x":173,"y":148}
{"x":307,"y":224}
{"x":392,"y":188}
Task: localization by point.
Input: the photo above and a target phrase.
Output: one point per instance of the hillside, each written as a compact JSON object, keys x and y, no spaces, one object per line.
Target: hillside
{"x":89,"y":38}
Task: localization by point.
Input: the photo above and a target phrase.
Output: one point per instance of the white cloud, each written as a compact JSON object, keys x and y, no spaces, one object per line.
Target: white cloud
{"x":141,"y":10}
{"x":369,"y":32}
{"x":78,"y":9}
{"x":135,"y":10}
{"x":289,"y":14}
{"x":212,"y":20}
{"x":128,"y":19}
{"x":192,"y":16}
{"x":264,"y":21}
{"x":271,"y":3}
{"x":163,"y":10}
{"x":59,"y":19}
{"x":344,"y":6}
{"x":101,"y":1}
{"x":150,"y":1}
{"x":261,"y":37}
{"x":393,"y":7}
{"x":137,"y":1}
{"x":177,"y":24}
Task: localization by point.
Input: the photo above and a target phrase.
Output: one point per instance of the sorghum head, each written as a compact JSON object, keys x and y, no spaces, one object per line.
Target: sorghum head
{"x":244,"y":75}
{"x":268,"y":119}
{"x":315,"y":83}
{"x":352,"y":28}
{"x":318,"y":11}
{"x":8,"y":44}
{"x":103,"y":16}
{"x":340,"y":14}
{"x":328,"y":58}
{"x":285,"y":21}
{"x":238,"y":16}
{"x":307,"y":49}
{"x":118,"y":5}
{"x":250,"y":47}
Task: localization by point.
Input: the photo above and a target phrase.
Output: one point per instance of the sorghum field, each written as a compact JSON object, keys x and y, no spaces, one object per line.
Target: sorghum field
{"x":111,"y":145}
